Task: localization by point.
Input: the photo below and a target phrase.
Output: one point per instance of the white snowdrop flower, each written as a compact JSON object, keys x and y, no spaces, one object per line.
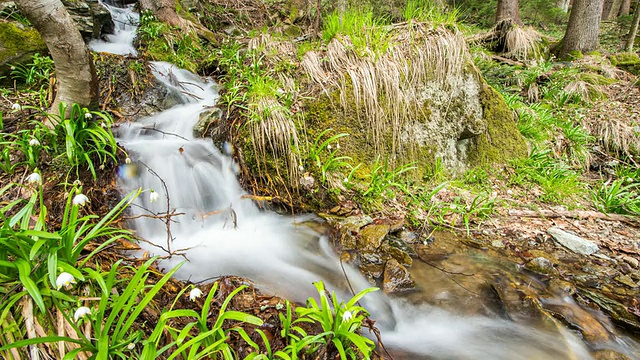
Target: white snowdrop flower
{"x":301,"y":168}
{"x":346,"y":180}
{"x":102,"y":124}
{"x":89,"y":116}
{"x":80,"y":199}
{"x":34,"y":142}
{"x":16,"y":107}
{"x":329,"y":146}
{"x":34,"y":178}
{"x":65,"y":280}
{"x":154,"y":196}
{"x":194,"y":294}
{"x":127,"y":160}
{"x":81,"y":312}
{"x":337,"y":145}
{"x":131,"y":346}
{"x":347,"y":316}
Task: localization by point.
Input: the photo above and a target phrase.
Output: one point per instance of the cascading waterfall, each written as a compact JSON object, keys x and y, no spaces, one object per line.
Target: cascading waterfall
{"x":125,"y":22}
{"x":222,"y":232}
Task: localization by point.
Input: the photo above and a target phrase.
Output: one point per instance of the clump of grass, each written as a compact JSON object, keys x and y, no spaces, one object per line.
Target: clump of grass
{"x":557,"y":180}
{"x":367,"y":32}
{"x":620,"y":196}
{"x":385,"y":85}
{"x":431,"y":12}
{"x":513,"y":41}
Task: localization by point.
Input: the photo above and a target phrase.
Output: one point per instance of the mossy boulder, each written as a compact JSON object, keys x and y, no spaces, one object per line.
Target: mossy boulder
{"x":409,"y":104}
{"x":462,"y":123}
{"x":17,"y":45}
{"x":626,"y":61}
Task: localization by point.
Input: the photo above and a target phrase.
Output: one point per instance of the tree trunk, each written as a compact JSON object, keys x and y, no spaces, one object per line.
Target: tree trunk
{"x":631,"y":38}
{"x":625,"y":8}
{"x":583,"y":28}
{"x":563,"y":4}
{"x":610,"y":9}
{"x":508,"y":9}
{"x":75,"y":72}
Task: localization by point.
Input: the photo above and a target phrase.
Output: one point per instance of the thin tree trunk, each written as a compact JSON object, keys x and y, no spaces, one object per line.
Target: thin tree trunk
{"x":610,"y":9}
{"x":316,"y":26}
{"x":75,"y":72}
{"x":631,"y":38}
{"x":583,"y":28}
{"x":625,"y":8}
{"x":508,"y":9}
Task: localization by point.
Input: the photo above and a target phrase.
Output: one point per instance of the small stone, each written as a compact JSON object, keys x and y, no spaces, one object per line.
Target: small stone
{"x":497,"y":244}
{"x":371,"y":236}
{"x":631,"y":261}
{"x":408,"y":237}
{"x":626,"y":280}
{"x":396,"y":277}
{"x":541,"y":265}
{"x":572,"y":242}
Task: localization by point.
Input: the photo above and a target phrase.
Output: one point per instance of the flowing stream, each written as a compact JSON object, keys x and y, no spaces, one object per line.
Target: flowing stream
{"x":223,"y":233}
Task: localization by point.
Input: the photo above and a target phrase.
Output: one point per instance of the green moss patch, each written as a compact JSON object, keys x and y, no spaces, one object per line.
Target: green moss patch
{"x":502,"y":140}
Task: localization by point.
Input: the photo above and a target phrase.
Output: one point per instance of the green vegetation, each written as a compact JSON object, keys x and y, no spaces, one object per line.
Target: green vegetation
{"x":34,"y":74}
{"x":79,"y":139}
{"x":161,"y":42}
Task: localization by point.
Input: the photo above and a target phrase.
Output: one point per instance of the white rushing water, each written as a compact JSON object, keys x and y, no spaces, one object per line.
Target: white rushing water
{"x":223,"y":233}
{"x":125,"y":22}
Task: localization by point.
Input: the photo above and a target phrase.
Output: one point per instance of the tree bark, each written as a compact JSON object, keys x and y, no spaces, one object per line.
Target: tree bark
{"x":76,"y":77}
{"x":583,"y":28}
{"x":610,"y":9}
{"x":625,"y":8}
{"x":508,"y":9}
{"x":631,"y":38}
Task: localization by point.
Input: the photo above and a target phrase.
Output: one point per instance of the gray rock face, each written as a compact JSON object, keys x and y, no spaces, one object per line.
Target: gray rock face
{"x":92,"y":18}
{"x":572,"y":242}
{"x":207,"y":119}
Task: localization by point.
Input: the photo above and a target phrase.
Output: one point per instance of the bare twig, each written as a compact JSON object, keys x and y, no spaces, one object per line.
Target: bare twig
{"x":164,"y":133}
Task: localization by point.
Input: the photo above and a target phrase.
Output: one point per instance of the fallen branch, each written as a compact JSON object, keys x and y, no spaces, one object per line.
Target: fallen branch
{"x":577,"y":214}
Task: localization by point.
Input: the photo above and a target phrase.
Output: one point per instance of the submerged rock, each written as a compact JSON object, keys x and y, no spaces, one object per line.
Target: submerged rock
{"x":541,"y":265}
{"x":572,"y":242}
{"x":396,"y":277}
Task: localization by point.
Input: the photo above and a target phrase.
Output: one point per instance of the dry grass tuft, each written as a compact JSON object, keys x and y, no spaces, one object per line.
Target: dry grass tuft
{"x":512,"y":41}
{"x":616,"y":136}
{"x":386,"y":87}
{"x":274,"y":132}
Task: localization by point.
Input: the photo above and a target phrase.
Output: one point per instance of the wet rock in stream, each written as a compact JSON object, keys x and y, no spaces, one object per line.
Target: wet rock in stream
{"x":396,"y":277}
{"x":371,"y":236}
